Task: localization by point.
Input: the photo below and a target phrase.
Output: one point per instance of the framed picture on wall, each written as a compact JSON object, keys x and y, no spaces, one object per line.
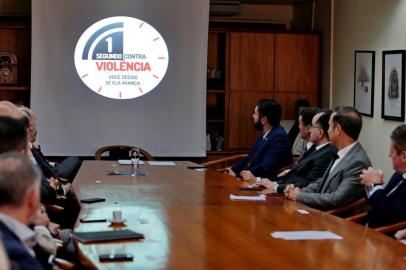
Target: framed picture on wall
{"x":393,"y":85}
{"x":364,"y":75}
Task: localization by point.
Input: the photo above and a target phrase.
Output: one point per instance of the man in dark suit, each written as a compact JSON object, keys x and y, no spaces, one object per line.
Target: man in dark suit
{"x":340,"y":183}
{"x":19,"y":200}
{"x":271,"y":152}
{"x":313,"y":163}
{"x":66,"y":169}
{"x":388,"y":204}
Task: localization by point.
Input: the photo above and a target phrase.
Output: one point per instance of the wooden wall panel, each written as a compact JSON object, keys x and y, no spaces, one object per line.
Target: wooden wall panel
{"x":297,"y":63}
{"x":241,"y":124}
{"x":17,"y":40}
{"x":287,"y":101}
{"x":212,"y":51}
{"x":251,"y":63}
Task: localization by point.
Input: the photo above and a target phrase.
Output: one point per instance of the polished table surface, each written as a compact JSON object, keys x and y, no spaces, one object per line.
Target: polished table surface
{"x":189,"y":222}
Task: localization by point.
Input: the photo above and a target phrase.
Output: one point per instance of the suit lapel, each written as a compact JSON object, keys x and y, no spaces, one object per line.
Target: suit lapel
{"x":339,"y":167}
{"x":260,"y":145}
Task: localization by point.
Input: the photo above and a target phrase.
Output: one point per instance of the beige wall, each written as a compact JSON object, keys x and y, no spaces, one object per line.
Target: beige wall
{"x":322,"y":23}
{"x":367,"y":25}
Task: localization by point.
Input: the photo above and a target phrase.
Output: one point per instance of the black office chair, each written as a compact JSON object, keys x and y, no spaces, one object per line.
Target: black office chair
{"x":116,"y":152}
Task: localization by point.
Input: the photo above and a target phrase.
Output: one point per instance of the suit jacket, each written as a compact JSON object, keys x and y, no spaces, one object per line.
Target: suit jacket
{"x":268,"y":155}
{"x":43,"y":164}
{"x":308,"y":169}
{"x":339,"y":187}
{"x":388,"y":209}
{"x":16,"y":251}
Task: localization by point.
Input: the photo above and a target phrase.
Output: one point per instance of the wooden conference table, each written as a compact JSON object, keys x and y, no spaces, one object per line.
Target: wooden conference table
{"x":189,"y":222}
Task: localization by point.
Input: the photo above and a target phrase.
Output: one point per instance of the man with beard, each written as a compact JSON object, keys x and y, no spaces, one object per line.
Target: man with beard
{"x":271,"y":151}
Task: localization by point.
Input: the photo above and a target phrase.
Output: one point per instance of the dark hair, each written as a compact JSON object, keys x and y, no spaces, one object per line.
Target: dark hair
{"x":13,"y":134}
{"x":323,"y":120}
{"x":300,"y":103}
{"x":271,"y":109}
{"x":17,"y":175}
{"x":307,"y":114}
{"x":398,"y":137}
{"x":349,"y":119}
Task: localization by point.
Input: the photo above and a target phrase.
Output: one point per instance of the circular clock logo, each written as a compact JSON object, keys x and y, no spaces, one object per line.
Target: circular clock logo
{"x":121,"y":57}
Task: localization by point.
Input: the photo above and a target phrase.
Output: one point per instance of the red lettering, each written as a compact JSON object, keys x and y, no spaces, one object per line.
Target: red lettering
{"x":123,"y":66}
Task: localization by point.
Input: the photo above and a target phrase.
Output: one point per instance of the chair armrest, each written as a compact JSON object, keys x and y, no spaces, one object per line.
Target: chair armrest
{"x":347,"y":207}
{"x":392,"y":227}
{"x":54,"y":208}
{"x":223,"y":160}
{"x":357,"y":217}
{"x":64,"y":264}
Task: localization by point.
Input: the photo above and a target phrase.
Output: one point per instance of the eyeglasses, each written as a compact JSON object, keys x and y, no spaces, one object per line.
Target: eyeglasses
{"x":316,"y":127}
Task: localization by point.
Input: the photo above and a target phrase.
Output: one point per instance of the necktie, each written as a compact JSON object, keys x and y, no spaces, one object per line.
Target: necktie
{"x":307,"y":152}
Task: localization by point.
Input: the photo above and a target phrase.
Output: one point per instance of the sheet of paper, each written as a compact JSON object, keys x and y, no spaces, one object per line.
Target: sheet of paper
{"x":128,"y":162}
{"x":303,"y":211}
{"x":161,"y":163}
{"x":247,"y":198}
{"x":306,"y":235}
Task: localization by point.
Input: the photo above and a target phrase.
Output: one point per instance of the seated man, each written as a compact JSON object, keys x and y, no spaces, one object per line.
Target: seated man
{"x":388,"y":204}
{"x":340,"y":183}
{"x":311,"y":166}
{"x":13,"y":137}
{"x":271,"y":152}
{"x":66,"y":169}
{"x":19,"y":193}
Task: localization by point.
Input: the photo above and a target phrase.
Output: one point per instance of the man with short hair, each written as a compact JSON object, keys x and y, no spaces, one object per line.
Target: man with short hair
{"x":388,"y":204}
{"x":271,"y":152}
{"x":66,"y":169}
{"x":311,"y":166}
{"x":340,"y":184}
{"x":19,"y":200}
{"x":301,"y":143}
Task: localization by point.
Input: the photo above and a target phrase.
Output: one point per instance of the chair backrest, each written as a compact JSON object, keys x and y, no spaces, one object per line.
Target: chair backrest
{"x":116,"y":152}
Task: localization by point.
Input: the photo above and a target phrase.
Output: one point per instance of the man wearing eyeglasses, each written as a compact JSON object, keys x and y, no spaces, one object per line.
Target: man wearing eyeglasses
{"x":311,"y":166}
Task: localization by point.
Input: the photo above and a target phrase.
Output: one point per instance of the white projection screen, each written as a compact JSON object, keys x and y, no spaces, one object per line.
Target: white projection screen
{"x":168,"y":121}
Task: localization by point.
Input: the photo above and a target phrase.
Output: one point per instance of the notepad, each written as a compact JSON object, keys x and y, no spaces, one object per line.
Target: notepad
{"x":128,"y":162}
{"x":247,"y":198}
{"x":161,"y":163}
{"x":126,"y":172}
{"x":99,"y":236}
{"x":306,"y":235}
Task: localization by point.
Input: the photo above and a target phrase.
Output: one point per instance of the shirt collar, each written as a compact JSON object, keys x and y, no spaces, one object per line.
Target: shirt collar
{"x":342,"y":152}
{"x":309,"y":145}
{"x":266,"y":134}
{"x":321,"y":146}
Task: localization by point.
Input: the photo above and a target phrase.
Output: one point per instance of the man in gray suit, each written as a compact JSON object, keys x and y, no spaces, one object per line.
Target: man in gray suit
{"x":340,"y":185}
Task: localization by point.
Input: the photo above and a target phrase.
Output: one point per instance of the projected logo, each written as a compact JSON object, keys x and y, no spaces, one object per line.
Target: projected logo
{"x":121,"y":57}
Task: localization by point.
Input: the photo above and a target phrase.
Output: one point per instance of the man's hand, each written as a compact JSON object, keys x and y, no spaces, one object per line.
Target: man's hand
{"x":268,"y":184}
{"x":229,"y":171}
{"x":54,"y":183}
{"x":292,"y":195}
{"x":247,"y":175}
{"x":288,"y":188}
{"x":371,"y":176}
